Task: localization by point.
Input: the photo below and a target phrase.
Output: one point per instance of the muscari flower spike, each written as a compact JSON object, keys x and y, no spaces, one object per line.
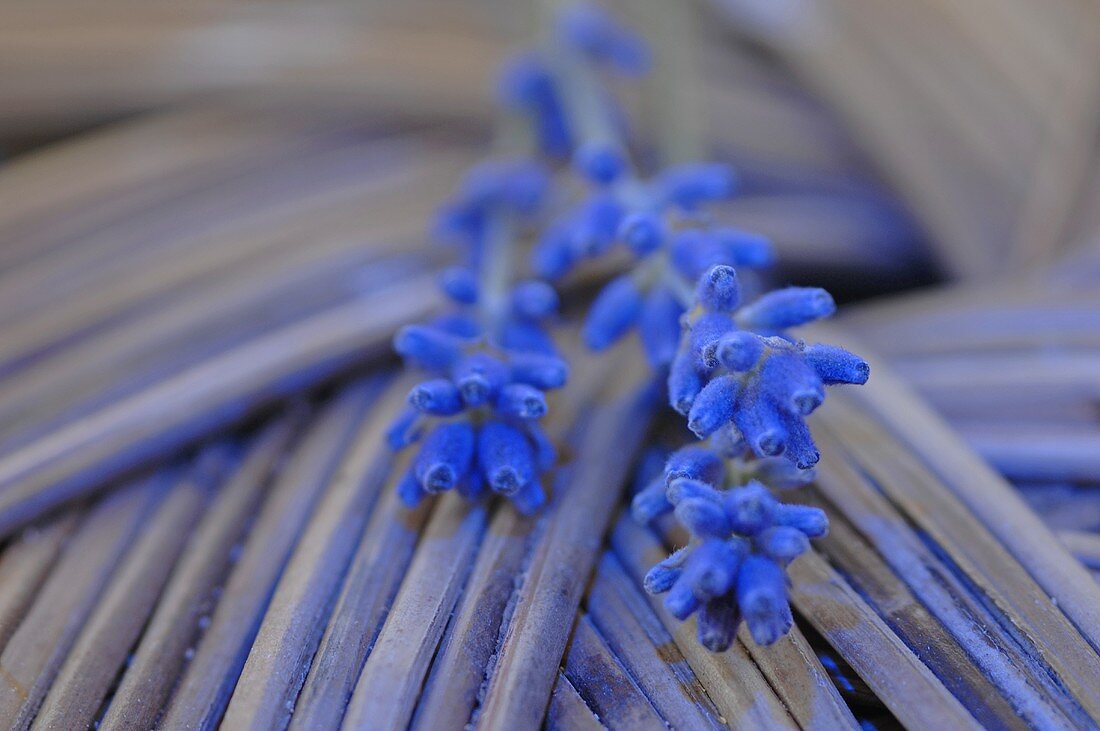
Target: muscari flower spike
{"x":490,"y":363}
{"x":746,"y":387}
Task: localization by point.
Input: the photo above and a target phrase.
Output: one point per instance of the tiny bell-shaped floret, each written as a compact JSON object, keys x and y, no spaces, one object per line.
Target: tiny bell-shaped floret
{"x":783,"y":544}
{"x":715,"y":406}
{"x":786,"y":308}
{"x":534,"y":300}
{"x":505,"y":457}
{"x":405,"y":429}
{"x":804,"y":518}
{"x":521,"y":401}
{"x":762,"y":597}
{"x":751,"y":508}
{"x":738,"y":351}
{"x":591,"y":30}
{"x":460,"y":284}
{"x":409,"y":490}
{"x":661,"y":577}
{"x":445,"y":456}
{"x":685,"y":488}
{"x":644,"y":232}
{"x":718,"y":289}
{"x":650,"y":502}
{"x":684,"y":381}
{"x":542,"y":371}
{"x":694,"y":463}
{"x":659,"y":326}
{"x":718,"y":620}
{"x":836,"y":365}
{"x":438,"y":397}
{"x":600,"y":162}
{"x":613,"y":313}
{"x":703,"y":517}
{"x":428,"y":347}
{"x":479,"y":377}
{"x":690,"y":185}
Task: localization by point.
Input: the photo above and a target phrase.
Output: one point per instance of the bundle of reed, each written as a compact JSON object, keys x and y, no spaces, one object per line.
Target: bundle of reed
{"x":939,"y":600}
{"x":984,"y":115}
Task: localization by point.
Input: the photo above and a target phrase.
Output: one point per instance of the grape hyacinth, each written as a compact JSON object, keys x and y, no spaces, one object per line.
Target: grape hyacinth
{"x":491,"y":359}
{"x":744,"y":383}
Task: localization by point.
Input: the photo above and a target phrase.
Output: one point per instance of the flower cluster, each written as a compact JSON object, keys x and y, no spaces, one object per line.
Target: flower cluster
{"x":743,"y":382}
{"x":746,"y":388}
{"x":491,"y":358}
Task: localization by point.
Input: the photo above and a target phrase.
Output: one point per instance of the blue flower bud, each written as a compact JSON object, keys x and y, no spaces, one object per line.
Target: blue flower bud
{"x":529,"y":499}
{"x":704,"y":335}
{"x":458,"y":325}
{"x":800,"y":448}
{"x":789,"y":382}
{"x":761,"y":423}
{"x":751,"y":509}
{"x":445,"y":456}
{"x":546,"y":454}
{"x":428,"y":347}
{"x":600,"y":163}
{"x":738,"y":351}
{"x":553,"y":256}
{"x":409,"y":490}
{"x":521,"y":401}
{"x":694,"y":463}
{"x":526,"y":84}
{"x":712,"y":568}
{"x":534,"y":299}
{"x":505,"y":457}
{"x":742,"y":248}
{"x":661,"y":577}
{"x":438,"y":397}
{"x":460,"y":284}
{"x":837,"y":365}
{"x":684,"y":381}
{"x":715,"y":406}
{"x":643,"y":232}
{"x":785,"y":308}
{"x":783,"y":544}
{"x":525,"y":336}
{"x":613,"y":313}
{"x":684,"y":488}
{"x":595,"y":224}
{"x":479,"y":377}
{"x":762,"y":597}
{"x":592,"y":31}
{"x":703,"y":517}
{"x":681,"y":601}
{"x":405,"y":429}
{"x":718,"y":289}
{"x":659,"y":326}
{"x":650,"y":467}
{"x":650,"y":502}
{"x":809,"y":520}
{"x":690,"y":185}
{"x":717,"y":623}
{"x":541,"y":371}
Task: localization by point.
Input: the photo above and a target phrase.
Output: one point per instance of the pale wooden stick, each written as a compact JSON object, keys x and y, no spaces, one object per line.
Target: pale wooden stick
{"x":203,"y":692}
{"x":162,"y":651}
{"x":37,"y":649}
{"x":120,"y":615}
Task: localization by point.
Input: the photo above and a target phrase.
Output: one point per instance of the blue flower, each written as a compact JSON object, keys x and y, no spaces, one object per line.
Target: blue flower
{"x":742,"y":541}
